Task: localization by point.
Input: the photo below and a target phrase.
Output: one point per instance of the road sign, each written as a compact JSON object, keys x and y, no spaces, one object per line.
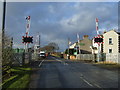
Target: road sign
{"x":75,"y":53}
{"x":82,"y":44}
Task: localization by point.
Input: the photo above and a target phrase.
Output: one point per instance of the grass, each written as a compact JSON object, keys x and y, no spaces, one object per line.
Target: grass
{"x":20,"y":78}
{"x":108,"y":65}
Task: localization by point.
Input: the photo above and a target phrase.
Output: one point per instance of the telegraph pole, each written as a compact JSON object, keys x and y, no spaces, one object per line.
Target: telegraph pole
{"x":68,"y":48}
{"x":3,"y":24}
{"x":2,"y":32}
{"x":38,"y":43}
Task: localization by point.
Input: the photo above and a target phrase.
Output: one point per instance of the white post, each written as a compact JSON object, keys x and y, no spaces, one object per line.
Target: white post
{"x":97,"y":29}
{"x":78,"y":44}
{"x":98,"y":59}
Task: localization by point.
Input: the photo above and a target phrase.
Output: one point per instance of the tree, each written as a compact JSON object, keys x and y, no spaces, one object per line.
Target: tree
{"x":51,"y":47}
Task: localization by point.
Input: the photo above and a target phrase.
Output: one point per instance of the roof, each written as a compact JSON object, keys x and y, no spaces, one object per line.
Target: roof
{"x":118,"y":33}
{"x":114,"y":31}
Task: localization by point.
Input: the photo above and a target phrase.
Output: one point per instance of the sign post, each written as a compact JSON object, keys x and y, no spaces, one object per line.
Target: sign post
{"x":78,"y":38}
{"x":97,"y":29}
{"x":99,"y":41}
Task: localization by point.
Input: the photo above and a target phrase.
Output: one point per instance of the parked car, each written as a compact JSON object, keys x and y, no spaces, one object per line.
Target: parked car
{"x":42,"y":54}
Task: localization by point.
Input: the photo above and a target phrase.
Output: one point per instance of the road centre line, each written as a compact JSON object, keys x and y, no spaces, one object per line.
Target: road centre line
{"x":86,"y":81}
{"x":89,"y":83}
{"x":97,"y":86}
{"x":40,"y":63}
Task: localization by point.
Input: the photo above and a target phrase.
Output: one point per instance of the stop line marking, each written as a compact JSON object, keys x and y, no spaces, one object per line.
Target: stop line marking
{"x":60,"y":61}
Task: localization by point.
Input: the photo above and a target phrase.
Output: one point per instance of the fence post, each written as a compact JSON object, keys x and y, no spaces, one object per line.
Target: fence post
{"x":23,"y":58}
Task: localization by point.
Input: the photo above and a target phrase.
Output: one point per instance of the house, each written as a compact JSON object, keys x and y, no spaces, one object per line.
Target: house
{"x":111,"y":42}
{"x":85,"y":44}
{"x":111,"y":46}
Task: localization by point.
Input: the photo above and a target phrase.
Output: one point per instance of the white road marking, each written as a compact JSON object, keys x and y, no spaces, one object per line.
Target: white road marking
{"x":40,"y":63}
{"x":65,"y":64}
{"x":60,"y":61}
{"x":97,"y":86}
{"x":89,"y":83}
{"x":86,"y":81}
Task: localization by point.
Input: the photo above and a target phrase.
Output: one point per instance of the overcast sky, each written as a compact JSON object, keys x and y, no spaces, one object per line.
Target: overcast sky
{"x":58,"y":21}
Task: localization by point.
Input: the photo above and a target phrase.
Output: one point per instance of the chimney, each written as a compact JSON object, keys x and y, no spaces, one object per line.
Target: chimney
{"x":105,"y":31}
{"x":85,"y":36}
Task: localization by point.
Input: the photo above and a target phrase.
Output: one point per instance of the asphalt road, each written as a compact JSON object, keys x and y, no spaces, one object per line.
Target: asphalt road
{"x":58,"y":73}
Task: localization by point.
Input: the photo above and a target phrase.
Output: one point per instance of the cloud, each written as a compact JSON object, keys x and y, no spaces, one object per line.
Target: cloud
{"x":58,"y":21}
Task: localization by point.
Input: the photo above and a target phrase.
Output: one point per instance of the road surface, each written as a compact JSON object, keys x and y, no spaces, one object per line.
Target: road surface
{"x":58,"y":73}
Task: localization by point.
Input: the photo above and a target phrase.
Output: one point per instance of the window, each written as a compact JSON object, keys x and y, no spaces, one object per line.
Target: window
{"x":110,"y":50}
{"x":110,"y":41}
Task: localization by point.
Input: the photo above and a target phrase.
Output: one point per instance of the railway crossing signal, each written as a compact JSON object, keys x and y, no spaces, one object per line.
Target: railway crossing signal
{"x":27,"y":39}
{"x":98,"y":39}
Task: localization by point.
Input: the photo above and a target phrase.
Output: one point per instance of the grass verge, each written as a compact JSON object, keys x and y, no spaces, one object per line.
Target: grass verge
{"x":108,"y":65}
{"x":20,"y":78}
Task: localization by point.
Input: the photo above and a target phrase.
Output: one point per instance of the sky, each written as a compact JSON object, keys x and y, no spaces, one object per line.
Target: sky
{"x":58,"y":21}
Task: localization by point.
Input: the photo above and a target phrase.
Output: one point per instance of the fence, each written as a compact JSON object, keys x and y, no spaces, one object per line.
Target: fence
{"x":90,"y":57}
{"x":35,"y":56}
{"x":5,"y":72}
{"x":115,"y":58}
{"x":21,"y":58}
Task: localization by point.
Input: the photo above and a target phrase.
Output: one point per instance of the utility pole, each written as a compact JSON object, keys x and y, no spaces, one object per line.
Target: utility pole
{"x":68,"y":48}
{"x":3,"y":24}
{"x":2,"y":39}
{"x":38,"y":39}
